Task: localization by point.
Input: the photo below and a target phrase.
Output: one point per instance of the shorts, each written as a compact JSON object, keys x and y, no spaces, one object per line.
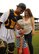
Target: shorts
{"x":18,"y":43}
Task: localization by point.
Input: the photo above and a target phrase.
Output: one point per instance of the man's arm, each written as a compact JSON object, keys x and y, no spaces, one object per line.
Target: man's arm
{"x":4,"y":17}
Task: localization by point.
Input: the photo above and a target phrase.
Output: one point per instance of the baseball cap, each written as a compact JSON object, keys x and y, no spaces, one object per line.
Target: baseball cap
{"x":22,"y":5}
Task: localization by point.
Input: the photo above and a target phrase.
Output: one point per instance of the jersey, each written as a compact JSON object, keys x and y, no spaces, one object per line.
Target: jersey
{"x":12,"y":19}
{"x":7,"y":34}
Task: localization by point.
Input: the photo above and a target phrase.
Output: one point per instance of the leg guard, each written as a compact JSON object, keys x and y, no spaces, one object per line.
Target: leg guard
{"x":3,"y":47}
{"x":2,"y":50}
{"x":11,"y":47}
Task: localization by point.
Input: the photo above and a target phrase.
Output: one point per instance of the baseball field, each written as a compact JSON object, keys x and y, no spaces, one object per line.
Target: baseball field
{"x":35,"y":42}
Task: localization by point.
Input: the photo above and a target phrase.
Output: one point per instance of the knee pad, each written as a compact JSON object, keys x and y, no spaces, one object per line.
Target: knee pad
{"x":3,"y":43}
{"x":3,"y":46}
{"x":2,"y":50}
{"x":11,"y":47}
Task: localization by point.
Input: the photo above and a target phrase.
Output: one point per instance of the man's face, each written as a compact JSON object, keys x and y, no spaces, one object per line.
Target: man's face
{"x":20,"y":10}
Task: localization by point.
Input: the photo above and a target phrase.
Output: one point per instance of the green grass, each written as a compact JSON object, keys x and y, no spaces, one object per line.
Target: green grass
{"x":35,"y":41}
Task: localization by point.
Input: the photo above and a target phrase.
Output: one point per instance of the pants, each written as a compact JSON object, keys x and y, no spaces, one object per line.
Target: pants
{"x":28,"y":38}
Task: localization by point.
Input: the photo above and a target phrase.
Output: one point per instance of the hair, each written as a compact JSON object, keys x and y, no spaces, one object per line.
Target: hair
{"x":29,"y":12}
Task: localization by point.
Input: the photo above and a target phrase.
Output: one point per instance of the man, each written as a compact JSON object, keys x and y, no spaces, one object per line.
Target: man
{"x":7,"y":23}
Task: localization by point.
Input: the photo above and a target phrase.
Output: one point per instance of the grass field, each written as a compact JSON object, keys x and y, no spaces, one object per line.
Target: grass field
{"x":35,"y":41}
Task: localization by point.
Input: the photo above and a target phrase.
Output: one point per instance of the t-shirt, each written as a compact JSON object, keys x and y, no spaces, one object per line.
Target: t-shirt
{"x":26,"y":25}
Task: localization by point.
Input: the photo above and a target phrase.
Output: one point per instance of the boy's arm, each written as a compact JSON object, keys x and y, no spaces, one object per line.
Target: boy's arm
{"x":4,"y":17}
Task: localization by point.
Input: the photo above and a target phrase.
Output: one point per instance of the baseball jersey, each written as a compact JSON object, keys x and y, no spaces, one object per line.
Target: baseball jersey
{"x":5,"y":33}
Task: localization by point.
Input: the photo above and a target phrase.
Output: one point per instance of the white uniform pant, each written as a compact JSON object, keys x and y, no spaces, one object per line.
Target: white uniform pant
{"x":7,"y":34}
